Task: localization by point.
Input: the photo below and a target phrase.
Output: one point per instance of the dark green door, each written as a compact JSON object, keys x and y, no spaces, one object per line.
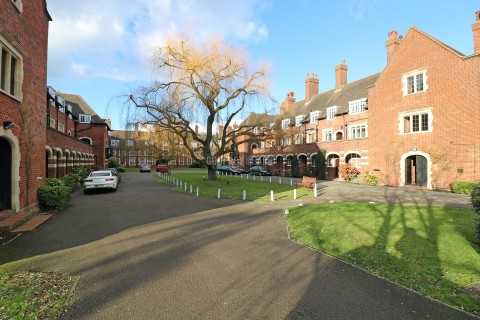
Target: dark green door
{"x":5,"y":175}
{"x":416,"y":171}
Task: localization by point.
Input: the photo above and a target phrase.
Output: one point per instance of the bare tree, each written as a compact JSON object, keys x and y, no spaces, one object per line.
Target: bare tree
{"x":210,"y":85}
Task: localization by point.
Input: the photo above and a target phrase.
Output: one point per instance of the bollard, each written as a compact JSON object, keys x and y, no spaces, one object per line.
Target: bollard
{"x":218,"y":193}
{"x":271,"y":195}
{"x":181,"y":184}
{"x":197,"y":191}
{"x":279,"y":180}
{"x":244,"y":195}
{"x":185,"y":186}
{"x":315,"y":191}
{"x":241,"y":175}
{"x":261,"y":178}
{"x":270,"y":179}
{"x":294,"y":194}
{"x":190,"y":188}
{"x":291,"y":182}
{"x":254,"y":178}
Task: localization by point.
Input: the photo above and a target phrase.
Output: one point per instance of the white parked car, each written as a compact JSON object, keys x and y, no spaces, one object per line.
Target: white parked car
{"x":104,"y":179}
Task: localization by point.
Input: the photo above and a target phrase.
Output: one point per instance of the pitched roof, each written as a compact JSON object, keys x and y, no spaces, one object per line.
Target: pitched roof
{"x":339,"y":98}
{"x":259,"y":119}
{"x":80,"y":106}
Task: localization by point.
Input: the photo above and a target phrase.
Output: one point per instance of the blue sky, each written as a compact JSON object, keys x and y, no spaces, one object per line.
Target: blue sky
{"x":99,"y":49}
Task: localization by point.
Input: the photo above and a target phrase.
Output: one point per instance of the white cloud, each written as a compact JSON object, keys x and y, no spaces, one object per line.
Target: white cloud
{"x":112,"y":38}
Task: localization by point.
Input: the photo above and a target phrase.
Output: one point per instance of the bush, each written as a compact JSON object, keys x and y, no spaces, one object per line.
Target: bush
{"x":83,"y":172}
{"x":463,"y":187}
{"x":72,"y":180}
{"x":475,"y":198}
{"x":198,"y":164}
{"x":54,"y":182}
{"x":347,"y":172}
{"x":53,"y":197}
{"x":370,"y":178}
{"x":120,"y":168}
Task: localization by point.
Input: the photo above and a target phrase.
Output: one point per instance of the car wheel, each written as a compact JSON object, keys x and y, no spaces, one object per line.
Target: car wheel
{"x":85,"y":192}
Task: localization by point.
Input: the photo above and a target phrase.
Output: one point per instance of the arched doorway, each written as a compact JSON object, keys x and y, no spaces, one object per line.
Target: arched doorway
{"x":5,"y":175}
{"x":333,"y":162}
{"x":416,"y":170}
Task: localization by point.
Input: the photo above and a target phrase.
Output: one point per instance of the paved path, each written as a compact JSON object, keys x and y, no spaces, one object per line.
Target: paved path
{"x":163,"y":254}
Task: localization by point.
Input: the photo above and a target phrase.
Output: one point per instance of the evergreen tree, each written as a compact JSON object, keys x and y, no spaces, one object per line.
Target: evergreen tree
{"x":320,"y":164}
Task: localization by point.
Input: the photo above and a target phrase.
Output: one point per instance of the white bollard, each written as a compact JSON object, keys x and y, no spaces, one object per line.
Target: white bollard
{"x":279,"y":180}
{"x":218,"y":193}
{"x":270,"y":179}
{"x":261,"y":178}
{"x":271,"y":195}
{"x":247,"y":176}
{"x":190,"y":188}
{"x":185,"y":186}
{"x":294,"y":194}
{"x":241,"y":175}
{"x":197,"y":191}
{"x":244,"y":195}
{"x":315,"y":191}
{"x":253,"y":178}
{"x":181,"y":184}
{"x":291,"y":182}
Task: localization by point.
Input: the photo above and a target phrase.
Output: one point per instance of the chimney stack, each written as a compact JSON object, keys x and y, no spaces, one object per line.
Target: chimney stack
{"x":288,"y":103}
{"x":109,"y":123}
{"x":476,"y":33}
{"x":136,"y":130}
{"x":311,"y":86}
{"x":340,"y":75}
{"x":392,"y":44}
{"x":196,"y":128}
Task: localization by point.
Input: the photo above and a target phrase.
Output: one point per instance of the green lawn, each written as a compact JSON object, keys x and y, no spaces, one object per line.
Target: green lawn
{"x":232,"y":187}
{"x":425,"y":248}
{"x":30,"y":295}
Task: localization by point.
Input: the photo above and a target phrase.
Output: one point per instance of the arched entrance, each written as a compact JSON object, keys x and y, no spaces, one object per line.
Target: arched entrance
{"x":5,"y":175}
{"x":416,"y":170}
{"x":333,"y":162}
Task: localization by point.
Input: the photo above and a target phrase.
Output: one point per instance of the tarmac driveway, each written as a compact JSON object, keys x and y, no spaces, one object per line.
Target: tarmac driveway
{"x":156,"y":253}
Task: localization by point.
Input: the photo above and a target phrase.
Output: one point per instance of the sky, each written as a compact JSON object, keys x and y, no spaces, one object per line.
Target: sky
{"x":100,"y":49}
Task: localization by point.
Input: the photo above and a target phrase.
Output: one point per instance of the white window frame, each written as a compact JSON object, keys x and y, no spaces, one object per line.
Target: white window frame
{"x":327,"y":135}
{"x":131,"y":161}
{"x":114,"y":143}
{"x":285,"y":141}
{"x":61,"y":127}
{"x":84,"y":118}
{"x":189,"y":160}
{"x":331,"y":112}
{"x":311,"y":136}
{"x":129,"y":143}
{"x":299,"y":138}
{"x":407,"y":88}
{"x":52,"y":122}
{"x":298,"y":120}
{"x":172,"y":162}
{"x":9,"y":53}
{"x":314,"y":116}
{"x":357,"y":106}
{"x":114,"y":152}
{"x":181,"y":161}
{"x":285,"y":124}
{"x":358,"y":131}
{"x":19,"y":5}
{"x":411,"y":126}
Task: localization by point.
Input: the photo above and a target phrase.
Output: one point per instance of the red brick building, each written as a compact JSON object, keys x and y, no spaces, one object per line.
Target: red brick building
{"x":23,"y":73}
{"x":415,"y":123}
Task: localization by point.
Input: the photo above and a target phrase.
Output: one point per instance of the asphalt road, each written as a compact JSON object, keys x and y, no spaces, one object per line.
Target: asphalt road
{"x":149,"y":251}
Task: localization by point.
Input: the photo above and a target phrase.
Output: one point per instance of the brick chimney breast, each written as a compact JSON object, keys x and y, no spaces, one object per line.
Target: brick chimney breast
{"x":340,"y":75}
{"x":392,"y":44}
{"x":311,"y":86}
{"x":476,"y":33}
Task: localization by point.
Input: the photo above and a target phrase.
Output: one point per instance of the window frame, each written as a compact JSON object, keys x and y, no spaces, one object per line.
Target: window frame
{"x":411,"y":114}
{"x":314,"y":116}
{"x":357,"y":106}
{"x":85,"y":118}
{"x":352,"y":131}
{"x":298,"y":120}
{"x":285,"y":124}
{"x":325,"y":133}
{"x":11,"y":78}
{"x":331,"y":112}
{"x":114,"y":143}
{"x":411,"y":84}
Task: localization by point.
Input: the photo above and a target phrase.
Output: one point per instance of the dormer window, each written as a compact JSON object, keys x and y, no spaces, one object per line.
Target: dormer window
{"x":314,"y":116}
{"x":331,"y":113}
{"x":357,"y":106}
{"x":285,"y":124}
{"x":85,"y":118}
{"x":298,"y":120}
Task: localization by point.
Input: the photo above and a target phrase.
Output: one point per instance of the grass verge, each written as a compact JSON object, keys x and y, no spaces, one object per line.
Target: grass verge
{"x":428,"y":249}
{"x":28,"y":295}
{"x":231,"y":187}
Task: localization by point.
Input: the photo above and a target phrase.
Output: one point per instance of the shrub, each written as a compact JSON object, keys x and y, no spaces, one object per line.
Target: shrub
{"x":370,"y":178}
{"x":347,"y":172}
{"x":112,"y":162}
{"x":198,"y":164}
{"x":475,"y":198}
{"x":54,"y":182}
{"x":72,"y":180}
{"x":120,"y":168}
{"x":295,"y":167}
{"x":463,"y":187}
{"x":53,"y":197}
{"x":320,"y":164}
{"x":83,"y":172}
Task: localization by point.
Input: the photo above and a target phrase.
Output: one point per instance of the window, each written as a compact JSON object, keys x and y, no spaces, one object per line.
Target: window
{"x":298,"y":121}
{"x":289,"y":161}
{"x":311,"y":137}
{"x":61,"y":127}
{"x":130,"y":143}
{"x":18,"y":4}
{"x":353,"y":159}
{"x":357,"y":106}
{"x":285,"y":124}
{"x":414,"y":82}
{"x":122,"y":153}
{"x":299,"y":138}
{"x":131,"y":161}
{"x":285,"y":141}
{"x":255,"y":130}
{"x":273,"y":143}
{"x":358,"y":131}
{"x":416,"y":122}
{"x":254,"y":146}
{"x":114,"y":143}
{"x":262,"y":144}
{"x":331,"y":113}
{"x":141,"y":160}
{"x":181,"y":161}
{"x":314,"y":116}
{"x":11,"y":70}
{"x":114,"y":152}
{"x":85,"y":118}
{"x":52,"y":123}
{"x":327,"y":135}
{"x":172,"y":162}
{"x":194,"y":144}
{"x":189,"y":161}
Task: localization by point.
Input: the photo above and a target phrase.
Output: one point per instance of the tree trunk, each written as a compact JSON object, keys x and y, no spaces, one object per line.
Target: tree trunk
{"x":212,"y":173}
